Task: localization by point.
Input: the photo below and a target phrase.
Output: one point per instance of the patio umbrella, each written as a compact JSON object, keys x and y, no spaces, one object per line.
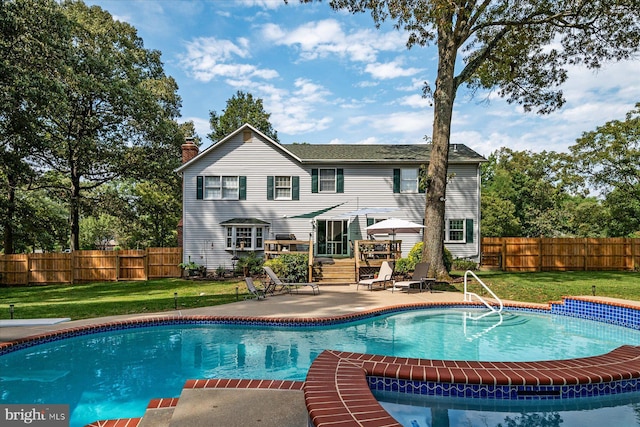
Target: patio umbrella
{"x":392,"y":226}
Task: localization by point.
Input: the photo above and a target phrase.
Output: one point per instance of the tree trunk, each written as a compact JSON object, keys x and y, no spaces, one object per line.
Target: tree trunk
{"x":74,"y":214}
{"x":443,"y":98}
{"x":10,"y":215}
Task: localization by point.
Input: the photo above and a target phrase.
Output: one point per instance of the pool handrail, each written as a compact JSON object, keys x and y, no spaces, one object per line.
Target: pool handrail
{"x":469,"y":295}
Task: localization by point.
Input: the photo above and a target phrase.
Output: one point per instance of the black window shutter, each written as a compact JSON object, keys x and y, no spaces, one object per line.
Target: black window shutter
{"x":242,"y":184}
{"x":295,"y":187}
{"x":469,"y":230}
{"x":270,"y":188}
{"x":199,"y":187}
{"x":314,"y":180}
{"x":340,"y":181}
{"x":370,"y":221}
{"x":396,"y":180}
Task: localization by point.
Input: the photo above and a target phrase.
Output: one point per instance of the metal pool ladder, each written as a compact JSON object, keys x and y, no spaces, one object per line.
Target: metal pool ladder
{"x":469,"y":295}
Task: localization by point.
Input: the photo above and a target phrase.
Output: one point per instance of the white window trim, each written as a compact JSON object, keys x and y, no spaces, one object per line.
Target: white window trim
{"x":448,"y":229}
{"x":221,"y":187}
{"x":416,"y":184}
{"x":234,"y":237}
{"x":335,"y":180}
{"x":289,"y":187}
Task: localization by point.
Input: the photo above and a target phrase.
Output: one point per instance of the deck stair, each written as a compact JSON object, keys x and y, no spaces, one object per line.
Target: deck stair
{"x":334,"y":271}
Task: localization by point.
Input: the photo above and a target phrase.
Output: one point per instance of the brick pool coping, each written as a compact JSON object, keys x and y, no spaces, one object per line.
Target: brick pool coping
{"x":338,"y":386}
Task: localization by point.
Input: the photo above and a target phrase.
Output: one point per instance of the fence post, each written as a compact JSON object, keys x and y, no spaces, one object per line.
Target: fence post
{"x":540,"y":255}
{"x":503,"y":255}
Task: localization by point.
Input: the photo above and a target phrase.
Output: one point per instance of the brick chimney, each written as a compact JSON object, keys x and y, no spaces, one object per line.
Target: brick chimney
{"x":189,"y":150}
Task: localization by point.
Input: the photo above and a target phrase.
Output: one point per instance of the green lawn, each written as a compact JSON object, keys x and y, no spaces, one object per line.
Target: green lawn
{"x":112,"y":298}
{"x":552,"y":286}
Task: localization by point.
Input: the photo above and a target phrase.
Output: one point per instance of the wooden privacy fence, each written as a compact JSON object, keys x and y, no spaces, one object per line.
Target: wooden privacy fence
{"x":90,"y":266}
{"x":558,"y":254}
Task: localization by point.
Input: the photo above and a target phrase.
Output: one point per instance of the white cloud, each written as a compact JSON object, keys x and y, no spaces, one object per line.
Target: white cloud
{"x":390,"y":70}
{"x":208,"y":58}
{"x":320,"y":39}
{"x":265,"y":4}
{"x":415,"y":101}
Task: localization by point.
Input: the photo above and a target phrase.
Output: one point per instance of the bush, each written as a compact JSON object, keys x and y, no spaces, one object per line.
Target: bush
{"x":252,"y":262}
{"x":290,"y":267}
{"x":463,"y":264}
{"x":405,"y":265}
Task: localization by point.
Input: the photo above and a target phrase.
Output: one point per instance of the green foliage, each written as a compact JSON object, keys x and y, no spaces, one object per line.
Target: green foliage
{"x":252,"y":262}
{"x":98,"y":128}
{"x":462,"y":264}
{"x":290,"y":267}
{"x":608,"y":158}
{"x":241,"y":108}
{"x":97,"y":232}
{"x":408,"y":264}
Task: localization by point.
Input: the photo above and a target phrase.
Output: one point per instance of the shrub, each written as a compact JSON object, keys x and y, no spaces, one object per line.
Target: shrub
{"x":464,"y":264}
{"x":291,"y":267}
{"x":252,"y":262}
{"x":404,"y":265}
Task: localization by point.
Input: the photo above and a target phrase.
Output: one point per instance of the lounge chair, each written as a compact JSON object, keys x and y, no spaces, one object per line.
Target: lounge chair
{"x":255,"y":292}
{"x":288,"y":286}
{"x":385,"y":275}
{"x":419,"y":279}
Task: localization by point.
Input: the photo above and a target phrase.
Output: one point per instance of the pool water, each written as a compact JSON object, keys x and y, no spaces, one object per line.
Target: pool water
{"x":116,"y":374}
{"x":422,"y":411}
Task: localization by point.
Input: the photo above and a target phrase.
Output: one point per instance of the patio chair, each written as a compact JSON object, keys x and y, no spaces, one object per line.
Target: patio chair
{"x":419,"y":279}
{"x":288,"y":286}
{"x":385,"y":275}
{"x":255,"y":292}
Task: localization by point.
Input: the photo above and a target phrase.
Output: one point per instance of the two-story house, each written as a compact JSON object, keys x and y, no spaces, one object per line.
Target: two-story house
{"x":247,"y":188}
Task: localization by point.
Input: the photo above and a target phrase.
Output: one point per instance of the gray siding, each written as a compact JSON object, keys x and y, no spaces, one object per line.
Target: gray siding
{"x":364,"y":186}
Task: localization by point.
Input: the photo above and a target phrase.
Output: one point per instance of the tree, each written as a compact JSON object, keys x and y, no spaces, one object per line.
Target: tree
{"x":609,"y":159}
{"x":114,"y":114}
{"x":241,"y":108}
{"x":519,"y":48}
{"x":534,"y":194}
{"x":33,"y":36}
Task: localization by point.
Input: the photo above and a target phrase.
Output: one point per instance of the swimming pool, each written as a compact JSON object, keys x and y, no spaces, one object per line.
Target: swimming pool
{"x":421,"y":411}
{"x":114,"y":374}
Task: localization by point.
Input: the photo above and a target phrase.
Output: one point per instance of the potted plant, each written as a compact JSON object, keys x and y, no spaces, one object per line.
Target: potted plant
{"x":190,"y":268}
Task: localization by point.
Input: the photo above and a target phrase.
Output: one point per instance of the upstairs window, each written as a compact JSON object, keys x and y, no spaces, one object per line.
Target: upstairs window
{"x":283,"y":188}
{"x":327,"y":180}
{"x":221,"y":187}
{"x":408,"y":180}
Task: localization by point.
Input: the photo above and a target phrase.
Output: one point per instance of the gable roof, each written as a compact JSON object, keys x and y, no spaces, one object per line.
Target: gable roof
{"x":352,"y":153}
{"x":410,"y":153}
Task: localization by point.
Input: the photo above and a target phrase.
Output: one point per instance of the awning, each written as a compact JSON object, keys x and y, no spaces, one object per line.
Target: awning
{"x":316,"y":213}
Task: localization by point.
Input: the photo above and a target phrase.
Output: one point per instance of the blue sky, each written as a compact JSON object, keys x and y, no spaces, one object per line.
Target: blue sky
{"x":331,"y":77}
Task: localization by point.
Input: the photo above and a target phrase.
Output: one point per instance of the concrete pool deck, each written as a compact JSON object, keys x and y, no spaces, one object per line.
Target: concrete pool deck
{"x":323,"y":392}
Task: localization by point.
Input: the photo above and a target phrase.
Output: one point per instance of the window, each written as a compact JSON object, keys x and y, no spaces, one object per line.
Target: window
{"x":327,"y":180}
{"x":408,"y":180}
{"x":283,"y":188}
{"x":221,"y":188}
{"x":456,"y":230}
{"x":244,"y":238}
